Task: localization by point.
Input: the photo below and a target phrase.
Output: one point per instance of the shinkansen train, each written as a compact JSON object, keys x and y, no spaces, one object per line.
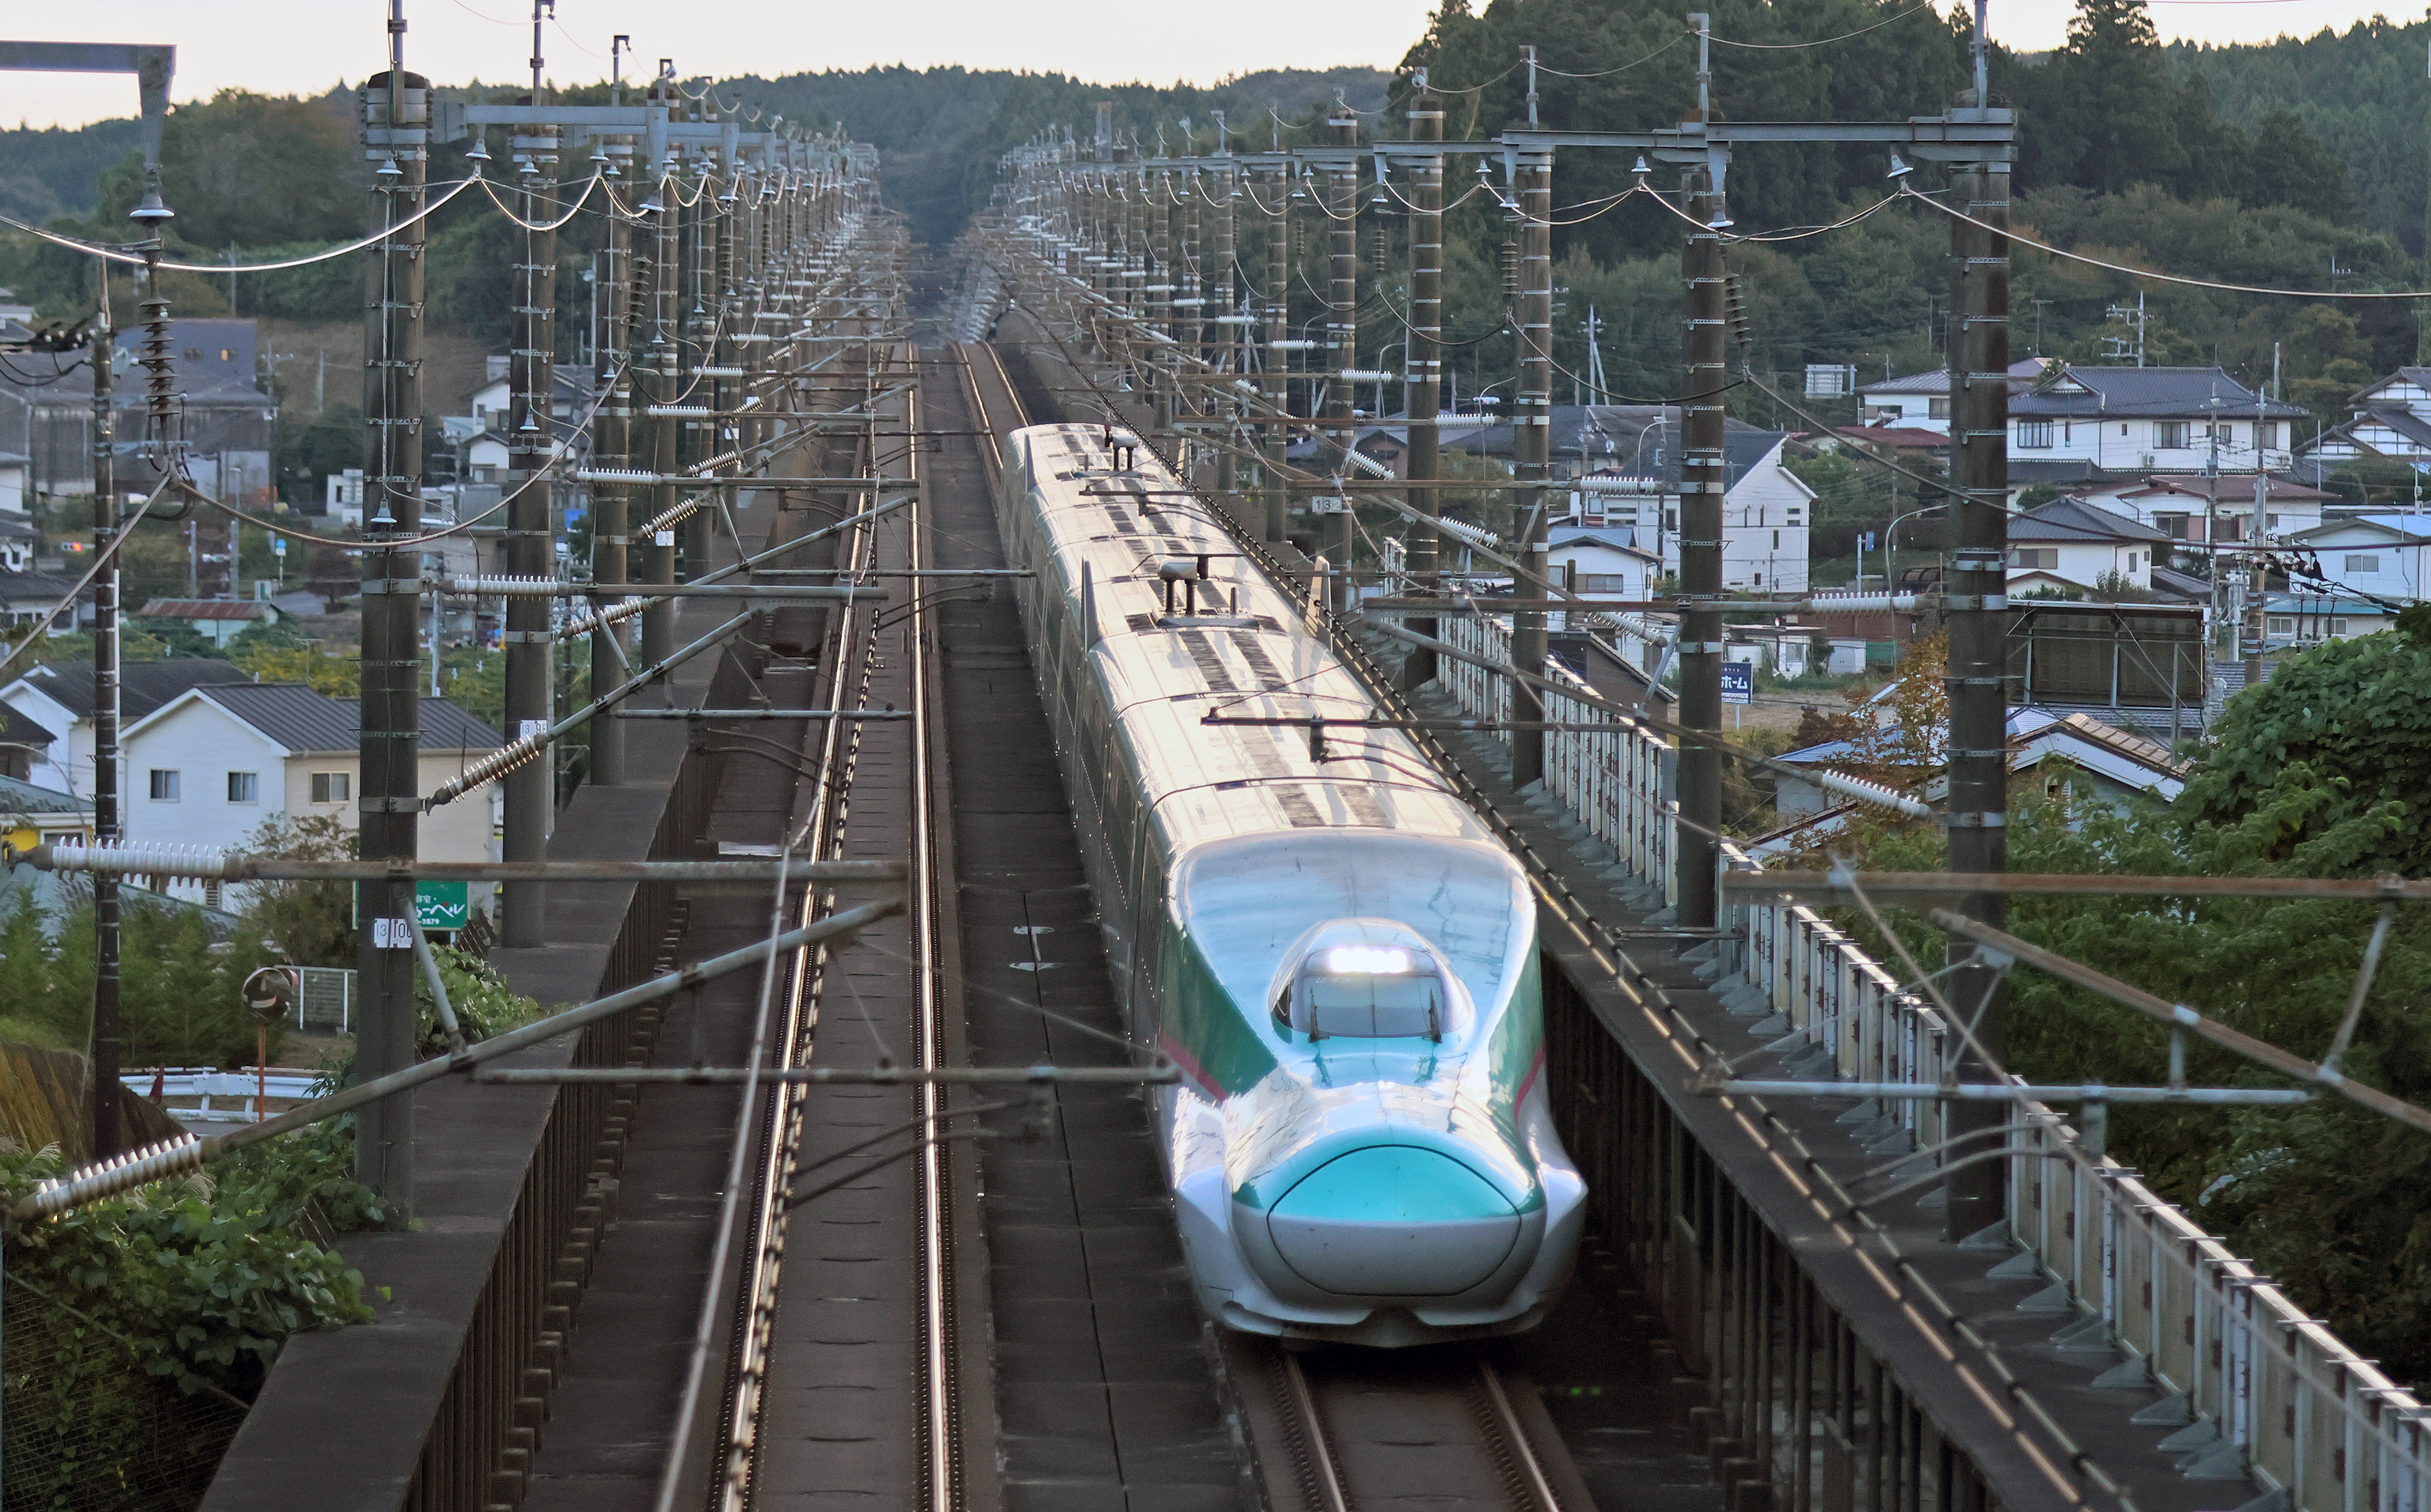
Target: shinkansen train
{"x":1335,"y":953}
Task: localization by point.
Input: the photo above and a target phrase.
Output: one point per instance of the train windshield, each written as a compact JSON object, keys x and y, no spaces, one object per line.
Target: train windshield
{"x":1367,"y":992}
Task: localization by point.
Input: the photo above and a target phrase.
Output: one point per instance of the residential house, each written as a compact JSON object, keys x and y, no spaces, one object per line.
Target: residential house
{"x":2063,"y":749}
{"x":485,"y":439}
{"x":16,"y":472}
{"x":2183,"y":505}
{"x":31,"y":815}
{"x":19,"y":541}
{"x":1600,"y":563}
{"x":59,"y":697}
{"x":228,"y":423}
{"x":2389,"y":421}
{"x":24,"y":743}
{"x":2297,"y":621}
{"x":2068,"y":423}
{"x":208,"y":766}
{"x":1625,"y":459}
{"x":2079,"y":545}
{"x":30,"y":595}
{"x":2380,"y":553}
{"x":216,"y":620}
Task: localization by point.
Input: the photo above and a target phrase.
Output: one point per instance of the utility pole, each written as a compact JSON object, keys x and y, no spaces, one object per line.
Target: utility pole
{"x":1532,"y":438}
{"x":1159,"y":213}
{"x":1423,"y":391}
{"x":1704,"y":481}
{"x":396,"y":119}
{"x":1342,"y":337}
{"x":658,"y":552}
{"x":1979,"y":622}
{"x":530,"y":525}
{"x":2257,"y":569}
{"x":1274,"y":438}
{"x":106,"y":827}
{"x":610,"y":443}
{"x":1225,"y":335}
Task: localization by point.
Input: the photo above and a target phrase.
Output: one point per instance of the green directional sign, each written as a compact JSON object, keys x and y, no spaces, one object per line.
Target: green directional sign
{"x":443,"y":905}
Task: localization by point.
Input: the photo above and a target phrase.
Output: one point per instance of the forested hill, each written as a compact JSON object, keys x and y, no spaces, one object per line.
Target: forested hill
{"x":941,"y":130}
{"x":2362,"y":93}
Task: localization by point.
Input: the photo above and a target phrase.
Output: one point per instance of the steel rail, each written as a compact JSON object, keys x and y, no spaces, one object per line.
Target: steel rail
{"x":1503,"y":1421}
{"x":773,"y":1176}
{"x":1318,"y":1473}
{"x":942,"y":1420}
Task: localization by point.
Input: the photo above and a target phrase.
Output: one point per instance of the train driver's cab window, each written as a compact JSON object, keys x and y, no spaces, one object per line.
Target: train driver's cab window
{"x":1366,"y":991}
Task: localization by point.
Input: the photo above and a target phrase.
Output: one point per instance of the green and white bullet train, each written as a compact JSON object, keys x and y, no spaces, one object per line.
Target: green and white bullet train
{"x":1338,"y":956}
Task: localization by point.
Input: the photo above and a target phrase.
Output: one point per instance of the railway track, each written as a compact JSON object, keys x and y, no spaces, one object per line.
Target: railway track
{"x":843,"y":1175}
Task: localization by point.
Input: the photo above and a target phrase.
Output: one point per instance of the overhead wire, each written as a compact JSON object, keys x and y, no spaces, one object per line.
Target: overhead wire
{"x":137,"y":260}
{"x":1823,"y":42}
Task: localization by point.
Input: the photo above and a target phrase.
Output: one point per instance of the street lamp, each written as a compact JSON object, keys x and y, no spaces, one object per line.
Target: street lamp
{"x":1890,"y":544}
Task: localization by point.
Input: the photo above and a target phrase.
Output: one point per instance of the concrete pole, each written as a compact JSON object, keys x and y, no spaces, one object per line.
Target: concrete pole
{"x":531,"y":789}
{"x":659,"y":552}
{"x":698,"y":438}
{"x":1342,"y":336}
{"x":1703,"y":480}
{"x":1532,"y":443}
{"x":1225,"y":337}
{"x":1277,"y":385}
{"x":1421,"y":460}
{"x":1979,"y":622}
{"x":1156,"y":203}
{"x":396,"y":116}
{"x":107,"y":1138}
{"x":611,"y":517}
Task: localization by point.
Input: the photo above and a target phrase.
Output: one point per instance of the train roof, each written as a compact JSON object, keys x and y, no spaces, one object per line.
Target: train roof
{"x":1247,"y":654}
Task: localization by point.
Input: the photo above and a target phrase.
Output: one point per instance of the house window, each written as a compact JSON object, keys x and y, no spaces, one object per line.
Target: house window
{"x":244,"y":787}
{"x":2172,"y":526}
{"x":2042,"y":556}
{"x":331,"y":787}
{"x":2283,"y":625}
{"x":2363,"y":565}
{"x":2131,"y":561}
{"x":165,"y":785}
{"x":1793,"y":515}
{"x":1937,"y":409}
{"x":2033,"y":435}
{"x":1776,"y":540}
{"x":2170,"y":435}
{"x":2338,"y":627}
{"x":2267,"y":435}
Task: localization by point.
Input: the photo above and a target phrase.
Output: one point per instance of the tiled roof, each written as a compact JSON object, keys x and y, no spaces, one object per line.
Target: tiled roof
{"x":2229,"y":486}
{"x":2189,"y":393}
{"x":2074,"y":520}
{"x":207,"y":609}
{"x":143,"y":686}
{"x":25,"y":797}
{"x":304,"y":719}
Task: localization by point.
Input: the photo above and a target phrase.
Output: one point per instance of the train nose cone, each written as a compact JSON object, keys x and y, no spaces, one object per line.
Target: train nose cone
{"x":1393,"y":1220}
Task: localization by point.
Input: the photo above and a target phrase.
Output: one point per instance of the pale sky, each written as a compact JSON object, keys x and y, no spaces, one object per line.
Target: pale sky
{"x":303,"y":46}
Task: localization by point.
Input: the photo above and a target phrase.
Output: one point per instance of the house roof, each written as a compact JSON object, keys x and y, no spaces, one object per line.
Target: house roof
{"x":2181,"y":585}
{"x":1896,"y":438}
{"x":2396,"y":524}
{"x":1558,"y":537}
{"x":18,"y":728}
{"x":2037,"y":733}
{"x":2418,"y":376}
{"x":37,"y":589}
{"x":143,"y":686}
{"x":2229,"y":486}
{"x":1623,"y":440}
{"x":2021,"y":373}
{"x":304,"y":719}
{"x":2191,"y":393}
{"x":2074,"y":521}
{"x":2325,"y":603}
{"x":26,"y":798}
{"x":209,"y":609}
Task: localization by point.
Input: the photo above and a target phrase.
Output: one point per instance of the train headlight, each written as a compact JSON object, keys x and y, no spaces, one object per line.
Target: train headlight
{"x":1368,"y":960}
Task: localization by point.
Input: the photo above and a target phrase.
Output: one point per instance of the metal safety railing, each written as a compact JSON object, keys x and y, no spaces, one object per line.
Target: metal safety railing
{"x":2248,"y":1386}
